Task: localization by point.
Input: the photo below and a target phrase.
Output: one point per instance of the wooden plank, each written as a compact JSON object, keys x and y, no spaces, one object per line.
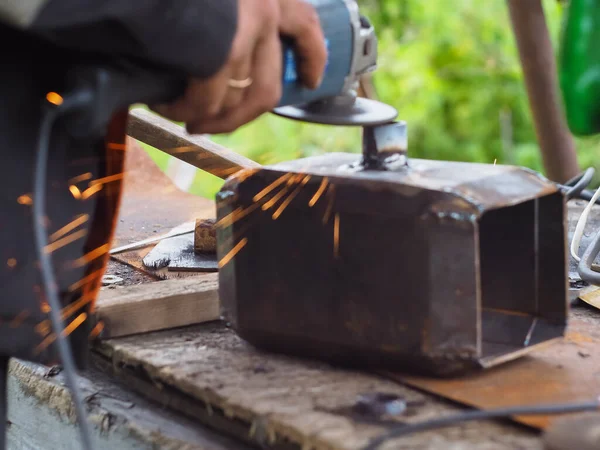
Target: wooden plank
{"x":198,"y":151}
{"x":40,"y":414}
{"x":280,"y":402}
{"x":159,"y":305}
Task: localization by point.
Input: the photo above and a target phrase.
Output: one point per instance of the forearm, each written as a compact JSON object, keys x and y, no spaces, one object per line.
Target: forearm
{"x":193,"y":36}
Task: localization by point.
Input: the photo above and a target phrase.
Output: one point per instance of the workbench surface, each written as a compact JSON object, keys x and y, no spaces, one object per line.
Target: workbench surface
{"x":201,"y":387}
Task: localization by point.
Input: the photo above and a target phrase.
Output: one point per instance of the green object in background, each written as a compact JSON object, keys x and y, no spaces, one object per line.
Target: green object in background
{"x":579,"y":66}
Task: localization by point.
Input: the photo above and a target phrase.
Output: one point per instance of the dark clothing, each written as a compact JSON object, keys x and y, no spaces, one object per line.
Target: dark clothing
{"x":192,"y":36}
{"x":39,"y":41}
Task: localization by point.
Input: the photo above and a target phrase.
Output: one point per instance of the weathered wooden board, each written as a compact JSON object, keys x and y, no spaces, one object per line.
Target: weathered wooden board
{"x":159,"y":305}
{"x":40,"y":416}
{"x":208,"y":373}
{"x":198,"y":151}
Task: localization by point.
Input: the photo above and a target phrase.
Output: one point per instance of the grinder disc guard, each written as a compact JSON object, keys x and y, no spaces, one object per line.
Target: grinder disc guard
{"x":341,"y":111}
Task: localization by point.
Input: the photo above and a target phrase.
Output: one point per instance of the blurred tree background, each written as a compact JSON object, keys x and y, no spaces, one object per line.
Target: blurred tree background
{"x":452,"y":70}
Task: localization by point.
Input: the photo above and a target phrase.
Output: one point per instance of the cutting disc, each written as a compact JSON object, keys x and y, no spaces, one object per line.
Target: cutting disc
{"x":360,"y":112}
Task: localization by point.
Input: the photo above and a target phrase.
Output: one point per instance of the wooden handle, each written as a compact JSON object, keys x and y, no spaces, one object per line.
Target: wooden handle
{"x":198,"y":151}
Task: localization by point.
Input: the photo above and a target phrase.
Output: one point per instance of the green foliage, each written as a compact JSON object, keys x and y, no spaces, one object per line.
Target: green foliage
{"x":452,"y":70}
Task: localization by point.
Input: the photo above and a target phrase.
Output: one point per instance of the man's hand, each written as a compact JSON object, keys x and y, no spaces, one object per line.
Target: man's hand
{"x":249,"y":84}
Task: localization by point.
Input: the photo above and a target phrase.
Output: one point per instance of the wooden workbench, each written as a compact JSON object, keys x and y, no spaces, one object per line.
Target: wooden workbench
{"x":201,"y":387}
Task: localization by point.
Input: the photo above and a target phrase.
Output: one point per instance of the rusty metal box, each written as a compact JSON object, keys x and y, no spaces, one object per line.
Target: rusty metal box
{"x":436,"y":268}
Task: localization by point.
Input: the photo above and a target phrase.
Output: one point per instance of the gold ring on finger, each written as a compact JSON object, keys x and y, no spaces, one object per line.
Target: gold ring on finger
{"x":240,"y":84}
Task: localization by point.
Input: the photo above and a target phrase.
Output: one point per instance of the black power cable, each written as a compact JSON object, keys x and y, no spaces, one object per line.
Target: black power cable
{"x":576,"y":185}
{"x":51,"y":113}
{"x":468,"y":416}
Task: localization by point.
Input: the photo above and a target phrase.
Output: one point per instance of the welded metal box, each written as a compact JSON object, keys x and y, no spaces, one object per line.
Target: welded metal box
{"x":436,"y":267}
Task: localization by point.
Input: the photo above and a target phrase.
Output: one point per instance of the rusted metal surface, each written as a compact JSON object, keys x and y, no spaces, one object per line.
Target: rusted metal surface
{"x":142,"y":216}
{"x":565,"y":372}
{"x":438,"y":267}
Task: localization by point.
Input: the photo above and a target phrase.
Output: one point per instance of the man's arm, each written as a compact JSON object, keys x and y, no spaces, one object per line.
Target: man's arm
{"x":192,"y":36}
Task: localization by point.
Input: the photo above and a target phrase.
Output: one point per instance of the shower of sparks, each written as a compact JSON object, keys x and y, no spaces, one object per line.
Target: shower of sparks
{"x":116,"y":146}
{"x":275,"y":199}
{"x":270,"y":187}
{"x":97,"y":330}
{"x":336,"y":236}
{"x":108,"y":179}
{"x":87,"y":279}
{"x":19,"y":319}
{"x":235,"y":215}
{"x":234,"y":251}
{"x":91,"y":191}
{"x":319,"y":193}
{"x":75,"y":191}
{"x":80,"y":220}
{"x":291,"y":197}
{"x":66,"y":332}
{"x":77,"y":305}
{"x":25,"y":199}
{"x":79,"y":178}
{"x":54,"y":98}
{"x":12,"y":262}
{"x":90,"y":256}
{"x":330,"y":194}
{"x":64,"y":241}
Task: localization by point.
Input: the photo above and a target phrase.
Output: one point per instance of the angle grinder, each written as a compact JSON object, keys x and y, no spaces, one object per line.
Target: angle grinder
{"x":352,"y":48}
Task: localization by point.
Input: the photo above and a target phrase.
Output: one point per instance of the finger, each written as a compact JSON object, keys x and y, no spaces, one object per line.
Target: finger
{"x":300,"y":21}
{"x":262,"y":96}
{"x":235,"y":95}
{"x":202,"y":99}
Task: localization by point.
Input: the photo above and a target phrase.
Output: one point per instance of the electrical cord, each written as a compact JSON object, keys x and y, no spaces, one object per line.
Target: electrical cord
{"x":469,"y":416}
{"x":580,"y":227}
{"x":576,"y":185}
{"x":51,"y":113}
{"x":586,"y":266}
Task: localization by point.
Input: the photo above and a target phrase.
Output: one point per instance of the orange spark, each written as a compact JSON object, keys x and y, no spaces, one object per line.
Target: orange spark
{"x":244,"y":174}
{"x":12,"y":262}
{"x":236,"y":215}
{"x":234,"y":251}
{"x":75,"y":191}
{"x":116,"y":146}
{"x":20,"y":318}
{"x":87,"y":279}
{"x":108,"y":179}
{"x":74,"y":324}
{"x":336,"y":236}
{"x":96,"y":330}
{"x":76,"y":306}
{"x":64,"y":241}
{"x":25,"y":199}
{"x":90,"y":256}
{"x":91,"y":191}
{"x":54,"y":98}
{"x":330,"y":193}
{"x":81,"y":219}
{"x":66,"y":332}
{"x":289,"y":199}
{"x":273,"y":185}
{"x":79,"y":178}
{"x":278,"y":196}
{"x":45,"y":307}
{"x":319,"y":192}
